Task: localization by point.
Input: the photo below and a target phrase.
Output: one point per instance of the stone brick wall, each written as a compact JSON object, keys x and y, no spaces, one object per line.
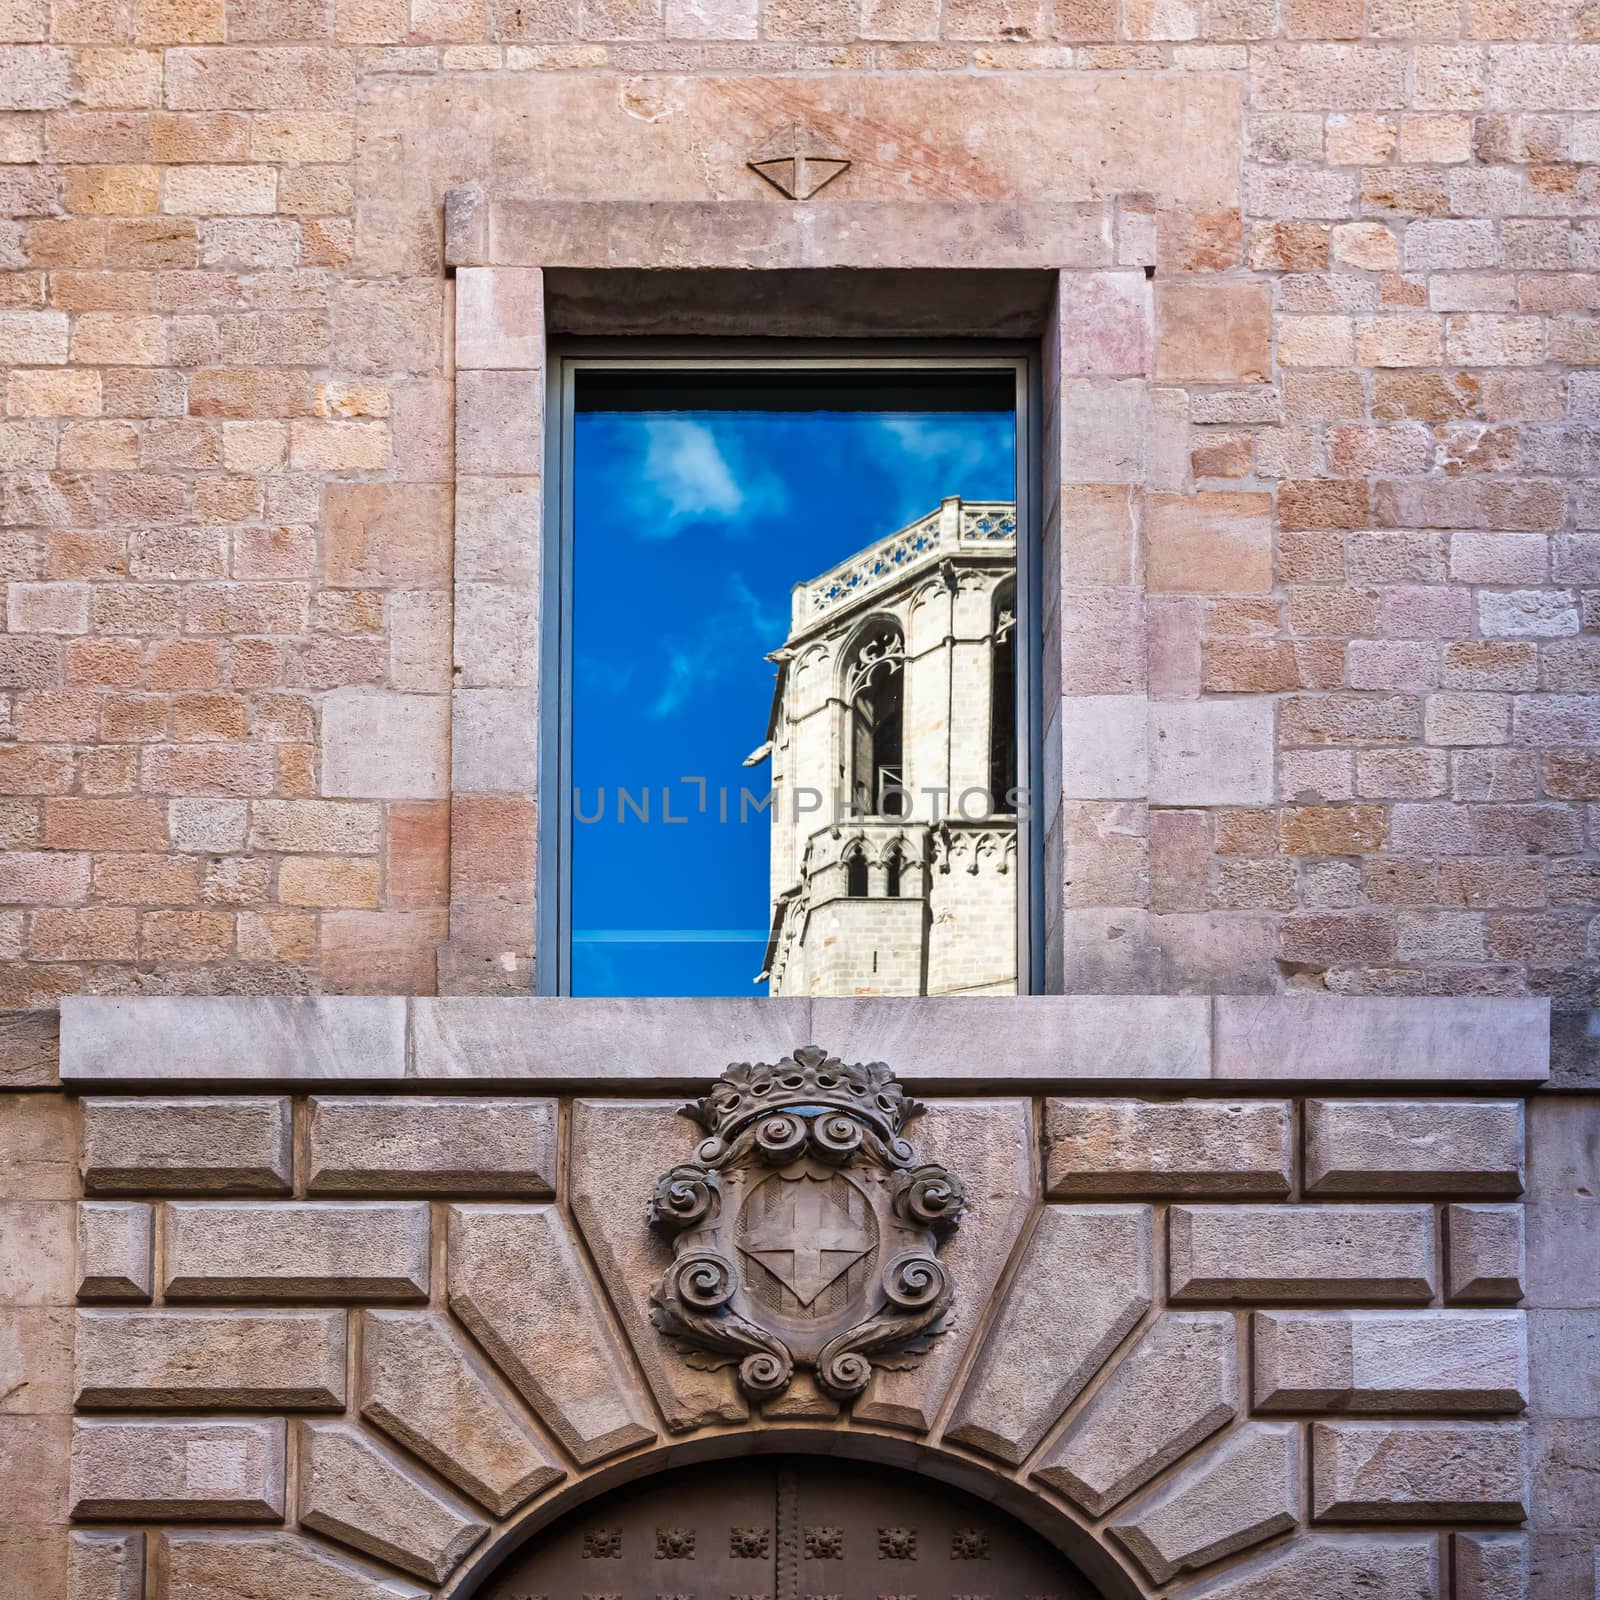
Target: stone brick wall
{"x":227,"y":457}
{"x":1243,"y":1347}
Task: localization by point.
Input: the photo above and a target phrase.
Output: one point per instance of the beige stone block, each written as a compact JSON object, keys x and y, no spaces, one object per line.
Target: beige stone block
{"x":358,"y":1494}
{"x":1325,"y":1253}
{"x":187,"y":1146}
{"x":35,"y":1361}
{"x":1418,"y":1471}
{"x":384,"y":746}
{"x":105,"y":1566}
{"x":1440,"y":1361}
{"x":386,"y":535}
{"x":422,"y":1386}
{"x":1212,"y":752}
{"x":995,"y":135}
{"x":1104,"y":755}
{"x":32,"y":338}
{"x":1409,"y":1147}
{"x":34,"y":1456}
{"x":559,"y":1350}
{"x":428,"y":1145}
{"x":1213,"y":332}
{"x":313,"y":1251}
{"x":493,"y":740}
{"x":167,"y":1471}
{"x":1104,"y":428}
{"x":1177,"y":1386}
{"x":115,"y":1241}
{"x":1050,"y":1340}
{"x":1486,"y":1252}
{"x":1210,"y":543}
{"x":172,"y":1360}
{"x":36,"y":1249}
{"x":38,"y":1135}
{"x":499,"y":318}
{"x":1244,"y":1491}
{"x":277,"y":1564}
{"x":1158,"y":1148}
{"x":499,"y":422}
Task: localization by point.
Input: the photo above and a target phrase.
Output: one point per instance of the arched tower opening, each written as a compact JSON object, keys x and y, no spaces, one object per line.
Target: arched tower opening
{"x":1003,"y":702}
{"x":874,"y":697}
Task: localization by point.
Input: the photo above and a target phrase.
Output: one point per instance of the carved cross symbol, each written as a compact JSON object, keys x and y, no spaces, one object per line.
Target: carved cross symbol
{"x":803,"y":1243}
{"x":797,"y":161}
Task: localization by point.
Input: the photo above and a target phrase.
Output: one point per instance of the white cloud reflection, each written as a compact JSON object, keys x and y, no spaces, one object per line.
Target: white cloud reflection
{"x":687,"y":476}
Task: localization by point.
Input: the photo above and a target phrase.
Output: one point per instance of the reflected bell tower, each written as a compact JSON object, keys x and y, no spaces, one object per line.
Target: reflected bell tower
{"x":892,"y":740}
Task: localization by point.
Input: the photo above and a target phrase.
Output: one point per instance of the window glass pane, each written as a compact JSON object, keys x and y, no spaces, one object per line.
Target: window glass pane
{"x":793,"y":683}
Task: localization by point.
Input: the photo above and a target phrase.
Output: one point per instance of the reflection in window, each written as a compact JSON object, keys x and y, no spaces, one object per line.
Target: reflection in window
{"x":822,"y":565}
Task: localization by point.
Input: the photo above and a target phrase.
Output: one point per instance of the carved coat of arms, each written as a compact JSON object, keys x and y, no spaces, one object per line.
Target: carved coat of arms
{"x":805,"y":1232}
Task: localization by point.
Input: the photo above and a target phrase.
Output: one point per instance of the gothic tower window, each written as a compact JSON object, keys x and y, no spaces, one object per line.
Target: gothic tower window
{"x":855,"y":876}
{"x":875,"y":711}
{"x":1003,"y":703}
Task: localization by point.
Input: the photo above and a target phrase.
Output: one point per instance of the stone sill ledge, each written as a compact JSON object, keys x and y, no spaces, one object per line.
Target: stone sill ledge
{"x":1032,"y":1042}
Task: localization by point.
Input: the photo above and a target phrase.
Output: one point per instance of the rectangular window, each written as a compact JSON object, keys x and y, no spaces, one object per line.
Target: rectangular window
{"x":791,"y":680}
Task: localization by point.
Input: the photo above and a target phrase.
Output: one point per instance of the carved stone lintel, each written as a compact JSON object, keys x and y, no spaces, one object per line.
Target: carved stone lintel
{"x":805,"y":1232}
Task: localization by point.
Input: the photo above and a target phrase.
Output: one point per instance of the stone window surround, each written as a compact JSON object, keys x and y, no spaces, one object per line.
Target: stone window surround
{"x":1095,"y":261}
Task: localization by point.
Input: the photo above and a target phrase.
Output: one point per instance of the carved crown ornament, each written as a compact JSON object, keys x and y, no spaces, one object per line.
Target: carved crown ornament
{"x":805,"y":1232}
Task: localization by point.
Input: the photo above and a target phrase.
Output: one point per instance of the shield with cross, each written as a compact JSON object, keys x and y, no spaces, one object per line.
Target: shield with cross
{"x":806,"y":1232}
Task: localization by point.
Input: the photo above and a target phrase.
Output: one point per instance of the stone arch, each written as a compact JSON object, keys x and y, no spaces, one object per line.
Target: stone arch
{"x":1088,"y":1552}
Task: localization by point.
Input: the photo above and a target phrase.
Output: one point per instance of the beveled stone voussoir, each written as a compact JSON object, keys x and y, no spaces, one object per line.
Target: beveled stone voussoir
{"x":1487,"y":1253}
{"x":105,"y":1566}
{"x":1338,"y":1253}
{"x":186,"y":1146}
{"x":1243,"y":1491}
{"x":115,"y":1241}
{"x":618,"y":1150}
{"x":1490,"y":1566}
{"x":172,"y":1360}
{"x":166,"y":1471}
{"x":517,"y":1280}
{"x":1168,"y":1147}
{"x":1419,"y":1471}
{"x":357,"y":1493}
{"x":423,"y":1386}
{"x":1177,"y":1386}
{"x":990,"y":1144}
{"x":1335,"y":1566}
{"x":1414,"y":1147}
{"x":1085,"y":1279}
{"x":311,"y":1250}
{"x":429,"y":1145}
{"x":1443,"y":1361}
{"x":229,"y":1565}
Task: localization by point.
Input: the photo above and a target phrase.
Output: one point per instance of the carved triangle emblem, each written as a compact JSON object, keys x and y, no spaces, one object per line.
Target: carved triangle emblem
{"x":798,"y":161}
